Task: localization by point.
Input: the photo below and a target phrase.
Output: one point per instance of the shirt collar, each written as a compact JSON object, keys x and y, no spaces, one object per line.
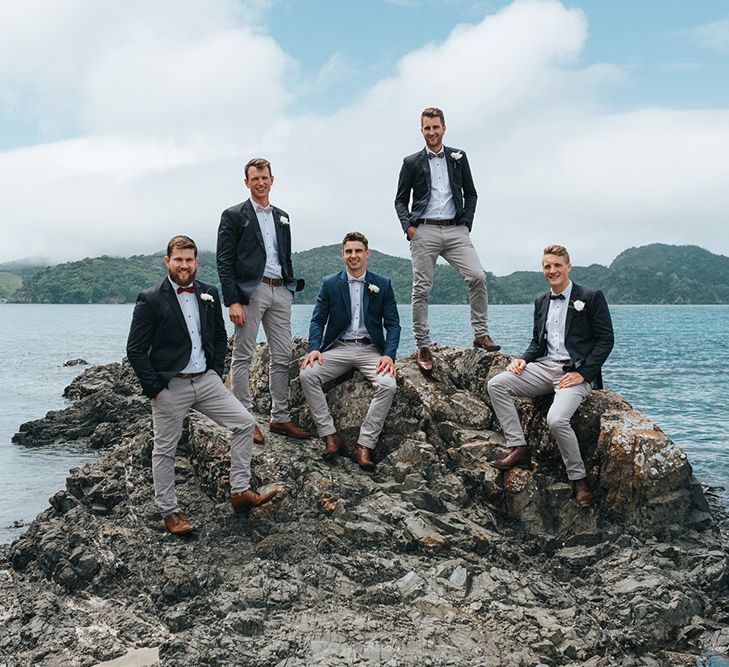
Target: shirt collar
{"x":566,"y":291}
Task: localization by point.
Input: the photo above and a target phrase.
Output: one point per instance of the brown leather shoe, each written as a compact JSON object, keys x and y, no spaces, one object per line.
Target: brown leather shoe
{"x":518,"y":456}
{"x":257,"y":435}
{"x":363,"y":456}
{"x":485,"y":343}
{"x":178,"y":524}
{"x":583,"y":495}
{"x":250,"y":498}
{"x":288,"y":428}
{"x":425,"y":360}
{"x":333,"y":443}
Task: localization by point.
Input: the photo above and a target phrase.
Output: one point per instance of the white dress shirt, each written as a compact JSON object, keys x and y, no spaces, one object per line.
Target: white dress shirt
{"x":356,"y":328}
{"x":191,"y":312}
{"x":556,"y":324}
{"x":440,"y":205}
{"x":270,"y":241}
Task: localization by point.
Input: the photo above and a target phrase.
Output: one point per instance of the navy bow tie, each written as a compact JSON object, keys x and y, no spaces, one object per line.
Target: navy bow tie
{"x":189,"y":289}
{"x":354,"y":281}
{"x":552,"y":297}
{"x":432,"y":155}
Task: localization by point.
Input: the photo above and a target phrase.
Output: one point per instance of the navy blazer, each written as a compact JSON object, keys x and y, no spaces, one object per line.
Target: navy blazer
{"x":241,"y":253}
{"x":588,"y":332}
{"x":333,"y":310}
{"x":159,"y":344}
{"x":415,"y":179}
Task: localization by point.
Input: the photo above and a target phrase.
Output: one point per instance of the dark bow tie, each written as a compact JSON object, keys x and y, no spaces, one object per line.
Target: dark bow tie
{"x":190,"y":289}
{"x":552,"y":297}
{"x":263,"y":209}
{"x":354,"y":281}
{"x":432,"y":155}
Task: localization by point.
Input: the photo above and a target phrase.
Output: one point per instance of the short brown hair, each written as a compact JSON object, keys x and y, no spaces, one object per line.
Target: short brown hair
{"x":181,"y":242}
{"x":558,"y":250}
{"x":258,"y":163}
{"x":432,"y":112}
{"x":355,"y":236}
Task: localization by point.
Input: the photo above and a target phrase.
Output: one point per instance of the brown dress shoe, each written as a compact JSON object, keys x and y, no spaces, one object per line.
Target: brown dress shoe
{"x":425,"y":360}
{"x":485,"y":343}
{"x":333,"y":443}
{"x":288,"y":428}
{"x":583,"y":495}
{"x":518,"y":456}
{"x":178,"y":524}
{"x":257,"y":435}
{"x":363,"y":456}
{"x":250,"y":498}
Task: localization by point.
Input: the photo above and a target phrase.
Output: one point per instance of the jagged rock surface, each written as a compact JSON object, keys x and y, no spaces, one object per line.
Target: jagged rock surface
{"x":434,"y":559}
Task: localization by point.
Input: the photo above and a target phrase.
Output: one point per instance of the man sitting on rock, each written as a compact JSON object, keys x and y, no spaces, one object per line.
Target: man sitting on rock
{"x":176,"y":346}
{"x":351,"y":310}
{"x":572,"y":338}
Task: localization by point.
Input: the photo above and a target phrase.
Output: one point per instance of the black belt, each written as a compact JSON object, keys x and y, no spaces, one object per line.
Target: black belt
{"x":187,"y":376}
{"x":359,"y":341}
{"x":437,"y":223}
{"x":273,"y":282}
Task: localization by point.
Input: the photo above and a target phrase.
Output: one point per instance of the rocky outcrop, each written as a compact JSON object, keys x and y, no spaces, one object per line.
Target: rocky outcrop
{"x":433,"y":559}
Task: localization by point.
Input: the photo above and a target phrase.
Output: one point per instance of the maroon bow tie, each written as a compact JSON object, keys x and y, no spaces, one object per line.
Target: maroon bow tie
{"x":190,"y":289}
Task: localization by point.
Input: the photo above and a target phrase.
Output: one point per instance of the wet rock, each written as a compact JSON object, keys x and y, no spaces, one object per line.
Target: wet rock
{"x":76,"y":362}
{"x":435,"y":558}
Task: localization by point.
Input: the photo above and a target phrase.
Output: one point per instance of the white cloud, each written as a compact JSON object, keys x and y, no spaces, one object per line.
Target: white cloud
{"x":713,"y":36}
{"x":172,"y":112}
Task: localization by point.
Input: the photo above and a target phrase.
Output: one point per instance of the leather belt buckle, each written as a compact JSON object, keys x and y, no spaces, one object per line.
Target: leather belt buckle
{"x":273,"y":282}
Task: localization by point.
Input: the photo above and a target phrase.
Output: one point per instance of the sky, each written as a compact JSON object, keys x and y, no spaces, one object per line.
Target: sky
{"x":597,"y":125}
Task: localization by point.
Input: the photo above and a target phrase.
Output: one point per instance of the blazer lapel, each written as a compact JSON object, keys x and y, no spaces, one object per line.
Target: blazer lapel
{"x":279,"y":236}
{"x":574,"y":296}
{"x":425,"y":166}
{"x":203,"y":309}
{"x":451,"y":166}
{"x":250,"y":212}
{"x":171,"y":297}
{"x":366,"y":294}
{"x":344,"y":293}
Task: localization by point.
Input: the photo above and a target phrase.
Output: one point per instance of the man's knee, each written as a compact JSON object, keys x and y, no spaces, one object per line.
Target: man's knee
{"x":386,"y":384}
{"x":557,"y":422}
{"x":497,"y":384}
{"x":309,"y":377}
{"x":475,"y":280}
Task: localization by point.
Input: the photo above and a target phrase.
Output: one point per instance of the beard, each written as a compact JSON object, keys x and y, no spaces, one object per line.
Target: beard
{"x":182,"y":277}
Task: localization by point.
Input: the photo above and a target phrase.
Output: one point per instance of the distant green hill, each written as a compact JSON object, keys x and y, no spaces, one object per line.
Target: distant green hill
{"x":652,"y":274}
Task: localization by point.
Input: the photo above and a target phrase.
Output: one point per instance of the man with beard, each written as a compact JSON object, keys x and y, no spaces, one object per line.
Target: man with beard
{"x":176,"y":346}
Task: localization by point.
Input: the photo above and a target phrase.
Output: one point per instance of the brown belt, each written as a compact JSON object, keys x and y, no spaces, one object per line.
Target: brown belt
{"x":273,"y":282}
{"x":437,"y":223}
{"x":359,"y":341}
{"x":187,"y":376}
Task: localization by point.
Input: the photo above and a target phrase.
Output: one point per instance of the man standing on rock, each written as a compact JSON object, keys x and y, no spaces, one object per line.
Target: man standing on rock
{"x":346,"y":327}
{"x":439,"y":225}
{"x":572,"y":338}
{"x":176,"y":346}
{"x":257,"y":279}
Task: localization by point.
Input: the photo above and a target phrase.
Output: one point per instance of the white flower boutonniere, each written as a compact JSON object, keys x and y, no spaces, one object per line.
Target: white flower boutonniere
{"x":373,"y":288}
{"x":207,"y":299}
{"x":283,"y":219}
{"x":578,"y":305}
{"x":456,"y":155}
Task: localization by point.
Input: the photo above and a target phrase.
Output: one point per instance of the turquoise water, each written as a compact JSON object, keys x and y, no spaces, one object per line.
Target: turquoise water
{"x":670,"y":362}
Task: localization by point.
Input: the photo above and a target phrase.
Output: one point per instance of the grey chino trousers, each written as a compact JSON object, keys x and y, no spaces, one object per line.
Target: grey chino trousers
{"x":538,"y":378}
{"x":207,"y":394}
{"x":272,"y":307}
{"x":454,"y":245}
{"x":337,"y":361}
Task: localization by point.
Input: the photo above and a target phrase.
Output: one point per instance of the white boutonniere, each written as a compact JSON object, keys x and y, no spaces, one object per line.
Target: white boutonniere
{"x":578,"y":305}
{"x":207,"y":299}
{"x":283,"y":219}
{"x":456,"y":155}
{"x":373,"y":288}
